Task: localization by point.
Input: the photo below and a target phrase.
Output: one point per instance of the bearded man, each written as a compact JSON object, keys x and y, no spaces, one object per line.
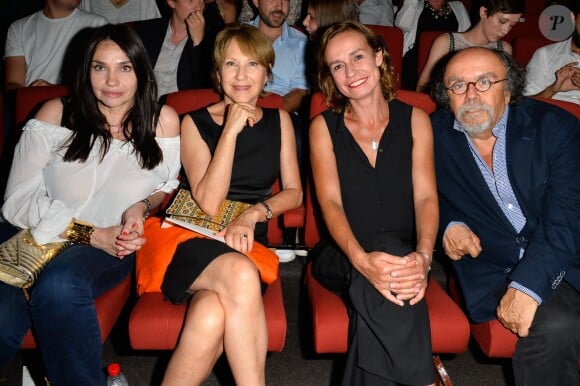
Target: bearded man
{"x":508,"y":176}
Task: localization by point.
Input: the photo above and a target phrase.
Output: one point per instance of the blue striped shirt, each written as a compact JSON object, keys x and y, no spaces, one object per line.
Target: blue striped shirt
{"x":499,"y":184}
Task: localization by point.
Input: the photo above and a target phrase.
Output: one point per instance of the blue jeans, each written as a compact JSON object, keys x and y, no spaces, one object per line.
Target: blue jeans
{"x":62,"y":314}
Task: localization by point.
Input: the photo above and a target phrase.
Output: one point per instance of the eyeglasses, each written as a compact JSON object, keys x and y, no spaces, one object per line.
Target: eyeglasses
{"x":481,"y":85}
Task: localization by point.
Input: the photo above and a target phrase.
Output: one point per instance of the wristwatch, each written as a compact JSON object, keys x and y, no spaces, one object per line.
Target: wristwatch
{"x":269,"y":213}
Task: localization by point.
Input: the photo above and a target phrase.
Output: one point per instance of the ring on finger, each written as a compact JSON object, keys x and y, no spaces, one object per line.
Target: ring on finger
{"x":243,"y":236}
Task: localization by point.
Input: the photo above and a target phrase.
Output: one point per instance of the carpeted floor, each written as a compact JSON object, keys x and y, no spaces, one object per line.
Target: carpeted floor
{"x":296,"y":365}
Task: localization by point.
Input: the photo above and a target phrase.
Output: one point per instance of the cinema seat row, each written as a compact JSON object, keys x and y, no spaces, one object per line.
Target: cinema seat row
{"x":155,"y":323}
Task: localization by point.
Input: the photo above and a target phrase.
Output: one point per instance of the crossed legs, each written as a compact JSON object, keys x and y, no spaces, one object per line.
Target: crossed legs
{"x":226,"y":314}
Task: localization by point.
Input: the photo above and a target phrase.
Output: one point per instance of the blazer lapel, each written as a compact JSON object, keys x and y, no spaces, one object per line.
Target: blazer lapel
{"x":459,"y":148}
{"x":520,"y":138}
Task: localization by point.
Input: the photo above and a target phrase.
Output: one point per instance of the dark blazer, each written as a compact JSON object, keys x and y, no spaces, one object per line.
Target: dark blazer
{"x":543,"y":160}
{"x":195,"y":65}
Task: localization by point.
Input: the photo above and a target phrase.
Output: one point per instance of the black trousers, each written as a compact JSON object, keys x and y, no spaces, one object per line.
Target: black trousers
{"x":549,"y":354}
{"x":388,"y":344}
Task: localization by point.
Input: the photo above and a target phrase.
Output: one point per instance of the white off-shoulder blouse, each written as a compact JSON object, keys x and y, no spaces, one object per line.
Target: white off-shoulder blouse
{"x":44,"y":193}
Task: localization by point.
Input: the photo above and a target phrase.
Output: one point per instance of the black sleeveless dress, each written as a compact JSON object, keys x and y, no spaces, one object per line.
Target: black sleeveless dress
{"x":387,"y":342}
{"x":256,"y":166}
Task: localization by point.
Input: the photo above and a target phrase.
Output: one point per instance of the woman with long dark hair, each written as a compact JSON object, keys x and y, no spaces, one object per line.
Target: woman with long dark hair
{"x":87,"y":168}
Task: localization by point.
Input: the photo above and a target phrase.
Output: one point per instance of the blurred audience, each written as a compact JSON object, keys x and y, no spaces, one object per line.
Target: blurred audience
{"x":496,"y":19}
{"x":379,"y":12}
{"x":417,"y":16}
{"x":288,"y":75}
{"x":553,"y":71}
{"x":36,"y":44}
{"x":122,"y":11}
{"x":177,"y":46}
{"x":321,"y":14}
{"x":249,"y":11}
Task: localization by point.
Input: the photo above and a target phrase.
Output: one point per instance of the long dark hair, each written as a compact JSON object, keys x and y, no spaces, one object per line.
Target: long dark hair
{"x":82,"y":114}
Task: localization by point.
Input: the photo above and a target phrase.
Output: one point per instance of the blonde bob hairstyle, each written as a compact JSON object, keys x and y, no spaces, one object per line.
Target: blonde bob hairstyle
{"x":334,"y":99}
{"x":252,"y":42}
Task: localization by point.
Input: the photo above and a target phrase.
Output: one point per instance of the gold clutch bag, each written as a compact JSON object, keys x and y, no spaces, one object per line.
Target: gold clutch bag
{"x":22,"y":259}
{"x":184,"y":208}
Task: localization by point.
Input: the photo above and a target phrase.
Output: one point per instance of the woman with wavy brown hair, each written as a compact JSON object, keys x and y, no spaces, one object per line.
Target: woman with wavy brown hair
{"x":372,"y":162}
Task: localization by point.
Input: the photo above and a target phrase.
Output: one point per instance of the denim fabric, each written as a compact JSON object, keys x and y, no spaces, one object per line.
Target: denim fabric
{"x":62,"y":314}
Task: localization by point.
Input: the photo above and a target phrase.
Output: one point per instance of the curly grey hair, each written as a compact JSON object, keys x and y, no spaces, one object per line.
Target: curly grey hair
{"x":515,"y":75}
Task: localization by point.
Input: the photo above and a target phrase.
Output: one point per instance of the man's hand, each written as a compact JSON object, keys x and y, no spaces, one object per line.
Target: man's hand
{"x":516,"y":311}
{"x":567,"y":78}
{"x":459,"y":240}
{"x":196,"y":26}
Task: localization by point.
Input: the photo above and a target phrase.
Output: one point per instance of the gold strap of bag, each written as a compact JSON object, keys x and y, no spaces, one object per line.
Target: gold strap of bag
{"x":22,"y":259}
{"x":185,"y":208}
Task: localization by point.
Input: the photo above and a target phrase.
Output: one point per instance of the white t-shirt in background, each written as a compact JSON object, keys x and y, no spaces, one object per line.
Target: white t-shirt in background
{"x":128,"y":10}
{"x":43,"y":42}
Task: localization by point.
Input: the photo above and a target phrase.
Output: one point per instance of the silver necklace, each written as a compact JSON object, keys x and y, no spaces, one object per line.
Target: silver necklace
{"x":374,"y":145}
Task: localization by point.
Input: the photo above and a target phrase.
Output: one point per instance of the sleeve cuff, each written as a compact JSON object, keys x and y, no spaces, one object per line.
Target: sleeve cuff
{"x":526,"y":290}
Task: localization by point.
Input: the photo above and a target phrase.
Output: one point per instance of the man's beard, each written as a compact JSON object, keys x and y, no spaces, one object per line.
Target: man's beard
{"x":270,"y":22}
{"x":474,"y":129}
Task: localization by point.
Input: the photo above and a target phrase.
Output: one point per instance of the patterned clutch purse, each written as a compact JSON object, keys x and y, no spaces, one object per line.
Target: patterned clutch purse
{"x":22,"y":259}
{"x":184,"y":208}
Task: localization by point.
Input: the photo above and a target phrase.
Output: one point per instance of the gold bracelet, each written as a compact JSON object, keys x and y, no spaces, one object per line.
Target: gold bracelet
{"x":79,"y":232}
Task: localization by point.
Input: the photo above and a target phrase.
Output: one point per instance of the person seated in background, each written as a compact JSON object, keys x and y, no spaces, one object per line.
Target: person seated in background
{"x":508,"y":176}
{"x":497,"y":18}
{"x":554,"y":70}
{"x":122,"y":11}
{"x":36,"y":44}
{"x":417,"y":16}
{"x":105,"y":155}
{"x":321,"y":14}
{"x":232,"y":149}
{"x":288,"y":74}
{"x":372,"y":166}
{"x":248,"y":11}
{"x":178,"y":46}
{"x":378,"y":12}
{"x":289,"y":78}
{"x":228,"y":10}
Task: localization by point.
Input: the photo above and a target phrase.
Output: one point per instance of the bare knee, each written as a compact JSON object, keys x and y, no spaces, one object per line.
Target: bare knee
{"x":205,"y":313}
{"x":241,"y":275}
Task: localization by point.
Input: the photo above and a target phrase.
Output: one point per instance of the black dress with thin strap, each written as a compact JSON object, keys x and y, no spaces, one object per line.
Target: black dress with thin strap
{"x":256,"y":166}
{"x":388,"y":343}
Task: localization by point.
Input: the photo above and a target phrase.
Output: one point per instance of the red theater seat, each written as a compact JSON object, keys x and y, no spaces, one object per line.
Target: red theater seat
{"x":155,"y":324}
{"x":449,"y":326}
{"x":524,"y":47}
{"x":425,"y":42}
{"x":393,"y":38}
{"x":528,"y":26}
